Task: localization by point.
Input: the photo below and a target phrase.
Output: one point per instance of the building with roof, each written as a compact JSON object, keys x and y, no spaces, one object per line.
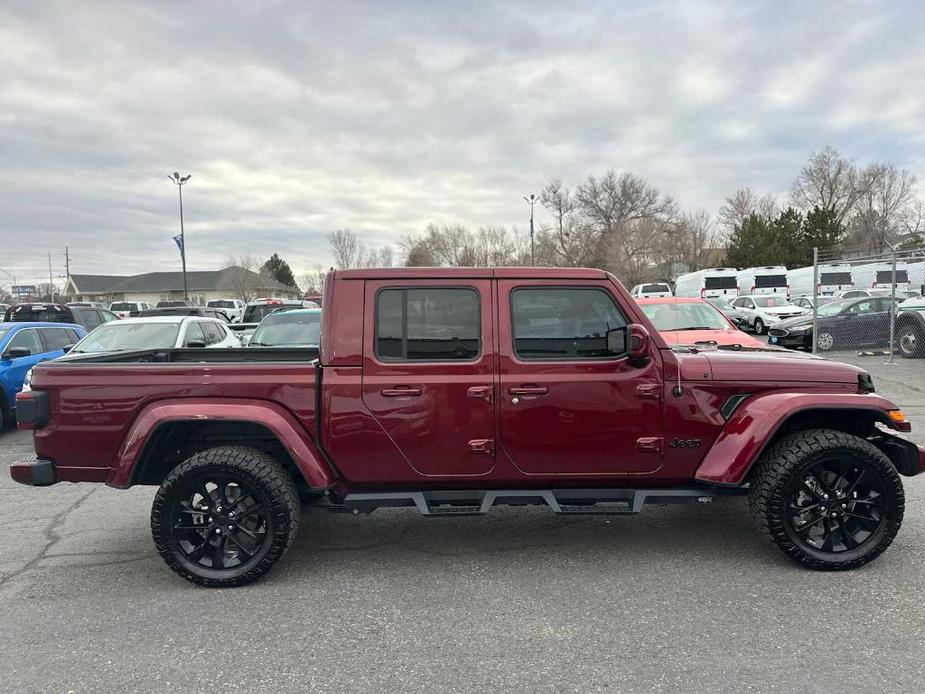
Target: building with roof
{"x":232,"y":282}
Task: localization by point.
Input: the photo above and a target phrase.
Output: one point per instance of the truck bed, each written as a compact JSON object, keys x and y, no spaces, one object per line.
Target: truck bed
{"x":97,"y":401}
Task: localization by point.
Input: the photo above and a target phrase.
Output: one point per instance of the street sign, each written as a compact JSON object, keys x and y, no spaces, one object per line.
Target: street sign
{"x":23,"y":289}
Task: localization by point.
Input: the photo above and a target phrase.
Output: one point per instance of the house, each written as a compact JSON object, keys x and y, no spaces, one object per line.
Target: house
{"x":231,"y":282}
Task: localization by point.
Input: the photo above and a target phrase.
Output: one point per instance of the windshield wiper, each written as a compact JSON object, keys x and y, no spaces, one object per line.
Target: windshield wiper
{"x":691,"y":327}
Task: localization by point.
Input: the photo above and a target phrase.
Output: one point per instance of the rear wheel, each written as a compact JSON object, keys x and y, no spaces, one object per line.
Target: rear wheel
{"x":225,"y":516}
{"x":911,"y":341}
{"x":827,"y":499}
{"x":759,"y":326}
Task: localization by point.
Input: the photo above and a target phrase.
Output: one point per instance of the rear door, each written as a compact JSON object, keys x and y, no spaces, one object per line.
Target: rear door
{"x":428,"y":372}
{"x":568,"y":406}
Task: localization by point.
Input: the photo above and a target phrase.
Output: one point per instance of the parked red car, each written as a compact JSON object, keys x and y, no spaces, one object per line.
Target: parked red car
{"x":455,"y":390}
{"x":690,"y":321}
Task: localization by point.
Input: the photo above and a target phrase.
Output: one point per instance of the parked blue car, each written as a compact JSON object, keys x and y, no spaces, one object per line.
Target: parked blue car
{"x":22,"y":346}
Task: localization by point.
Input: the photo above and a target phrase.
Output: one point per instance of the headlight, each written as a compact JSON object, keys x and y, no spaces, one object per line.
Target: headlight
{"x":27,"y":381}
{"x":800,"y":328}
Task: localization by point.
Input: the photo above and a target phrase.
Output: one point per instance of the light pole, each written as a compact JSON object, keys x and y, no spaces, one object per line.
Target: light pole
{"x":12,"y":276}
{"x":179,"y":181}
{"x":532,"y":201}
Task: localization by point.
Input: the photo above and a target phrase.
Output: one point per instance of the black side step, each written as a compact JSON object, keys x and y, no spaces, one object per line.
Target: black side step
{"x":564,"y":501}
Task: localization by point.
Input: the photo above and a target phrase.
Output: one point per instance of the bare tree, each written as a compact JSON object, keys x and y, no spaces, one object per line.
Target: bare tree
{"x":696,"y":239}
{"x":313,"y":281}
{"x":346,"y":248}
{"x":741,"y":204}
{"x":884,"y":198}
{"x":828,"y":181}
{"x":242,"y":277}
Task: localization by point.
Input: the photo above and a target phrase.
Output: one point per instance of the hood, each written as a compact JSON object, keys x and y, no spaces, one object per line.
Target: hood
{"x":782,"y":310}
{"x":728,"y":336}
{"x":806,"y":319}
{"x":779,"y":366}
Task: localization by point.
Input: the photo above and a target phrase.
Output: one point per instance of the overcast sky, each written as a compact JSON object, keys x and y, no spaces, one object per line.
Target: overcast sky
{"x":298,"y":118}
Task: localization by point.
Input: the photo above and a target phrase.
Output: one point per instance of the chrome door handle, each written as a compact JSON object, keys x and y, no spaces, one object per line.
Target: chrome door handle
{"x":529,"y":390}
{"x":401,"y":392}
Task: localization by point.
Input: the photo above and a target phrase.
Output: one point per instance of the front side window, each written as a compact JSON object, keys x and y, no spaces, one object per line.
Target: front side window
{"x":428,"y":324}
{"x":193,"y":334}
{"x":26,"y":339}
{"x":563,"y":323}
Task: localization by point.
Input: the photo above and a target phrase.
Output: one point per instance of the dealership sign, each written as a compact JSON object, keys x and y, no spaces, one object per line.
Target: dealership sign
{"x":23,"y":289}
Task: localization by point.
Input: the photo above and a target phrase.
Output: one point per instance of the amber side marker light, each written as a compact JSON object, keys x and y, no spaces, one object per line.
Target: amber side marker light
{"x":899,"y":419}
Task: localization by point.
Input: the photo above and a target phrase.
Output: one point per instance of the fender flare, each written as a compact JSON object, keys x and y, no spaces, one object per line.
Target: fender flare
{"x":277,"y":420}
{"x":755,"y":422}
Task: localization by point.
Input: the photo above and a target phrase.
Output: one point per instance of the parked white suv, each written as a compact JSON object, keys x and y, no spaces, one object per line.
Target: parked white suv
{"x":650,"y":290}
{"x":128,"y":309}
{"x":233,"y":308}
{"x":157,"y":332}
{"x":763,"y":310}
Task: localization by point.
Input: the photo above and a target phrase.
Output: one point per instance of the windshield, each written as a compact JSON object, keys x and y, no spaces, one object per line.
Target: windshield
{"x":833,"y":308}
{"x":257,"y":312}
{"x":120,"y":335}
{"x":685,"y":316}
{"x":649,"y":288}
{"x":288,"y":329}
{"x":771,"y":301}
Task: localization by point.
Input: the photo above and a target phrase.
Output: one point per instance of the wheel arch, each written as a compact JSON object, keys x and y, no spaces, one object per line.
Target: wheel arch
{"x":166,"y":433}
{"x":761,"y":421}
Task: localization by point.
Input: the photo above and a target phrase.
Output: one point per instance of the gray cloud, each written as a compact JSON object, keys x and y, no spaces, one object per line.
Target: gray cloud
{"x":298,"y":118}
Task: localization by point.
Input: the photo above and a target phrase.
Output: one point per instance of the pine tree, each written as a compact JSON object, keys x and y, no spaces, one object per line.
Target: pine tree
{"x":279,"y":270}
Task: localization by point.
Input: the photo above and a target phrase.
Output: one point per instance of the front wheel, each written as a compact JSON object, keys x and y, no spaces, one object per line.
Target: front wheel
{"x":759,"y":326}
{"x":825,"y":342}
{"x":225,"y":516}
{"x":829,"y":500}
{"x":911,"y":341}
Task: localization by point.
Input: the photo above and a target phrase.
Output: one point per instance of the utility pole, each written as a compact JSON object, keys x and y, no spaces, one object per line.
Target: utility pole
{"x":179,"y":181}
{"x":532,"y":201}
{"x":51,"y":279}
{"x":67,"y":267}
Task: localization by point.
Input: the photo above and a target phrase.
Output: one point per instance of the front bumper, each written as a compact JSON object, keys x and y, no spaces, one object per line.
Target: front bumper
{"x":782,"y":338}
{"x":36,"y":472}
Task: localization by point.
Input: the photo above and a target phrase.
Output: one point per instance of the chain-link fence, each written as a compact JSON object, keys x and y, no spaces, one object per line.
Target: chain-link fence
{"x":862,"y":304}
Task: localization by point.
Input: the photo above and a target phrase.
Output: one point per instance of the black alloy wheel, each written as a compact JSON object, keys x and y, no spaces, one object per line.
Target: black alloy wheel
{"x":225,"y":516}
{"x":828,"y":499}
{"x":836,"y":506}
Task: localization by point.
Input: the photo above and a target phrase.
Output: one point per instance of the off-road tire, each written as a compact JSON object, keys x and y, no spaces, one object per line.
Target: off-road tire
{"x":262,"y":472}
{"x":789,"y":460}
{"x":759,"y":326}
{"x":910,"y":340}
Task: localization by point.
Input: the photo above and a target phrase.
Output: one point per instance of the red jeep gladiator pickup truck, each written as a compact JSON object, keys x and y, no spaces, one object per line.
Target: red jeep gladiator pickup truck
{"x":454,"y":390}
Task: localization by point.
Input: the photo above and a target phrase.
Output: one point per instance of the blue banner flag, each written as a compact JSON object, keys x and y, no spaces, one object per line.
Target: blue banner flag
{"x":179,"y":241}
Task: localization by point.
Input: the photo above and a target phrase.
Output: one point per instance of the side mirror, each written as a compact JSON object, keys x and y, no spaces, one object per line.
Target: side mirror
{"x":616,"y":341}
{"x":196,"y":344}
{"x":637,"y":341}
{"x":17,"y":353}
{"x":68,"y":348}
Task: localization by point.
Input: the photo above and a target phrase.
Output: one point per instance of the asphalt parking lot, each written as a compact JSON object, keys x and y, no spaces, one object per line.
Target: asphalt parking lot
{"x":680,"y":598}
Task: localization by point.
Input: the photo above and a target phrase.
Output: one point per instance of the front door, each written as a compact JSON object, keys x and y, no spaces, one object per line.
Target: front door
{"x":567,"y":405}
{"x":429,"y":371}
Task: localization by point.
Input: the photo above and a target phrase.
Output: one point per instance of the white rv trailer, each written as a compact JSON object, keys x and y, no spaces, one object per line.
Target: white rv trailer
{"x":768,"y":279}
{"x":879,"y":275}
{"x":833,"y":278}
{"x":711,"y":283}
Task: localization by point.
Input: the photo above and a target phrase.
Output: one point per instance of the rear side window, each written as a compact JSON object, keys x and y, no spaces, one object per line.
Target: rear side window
{"x":212,"y":332}
{"x":428,"y":324}
{"x":55,"y":338}
{"x":563,"y":323}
